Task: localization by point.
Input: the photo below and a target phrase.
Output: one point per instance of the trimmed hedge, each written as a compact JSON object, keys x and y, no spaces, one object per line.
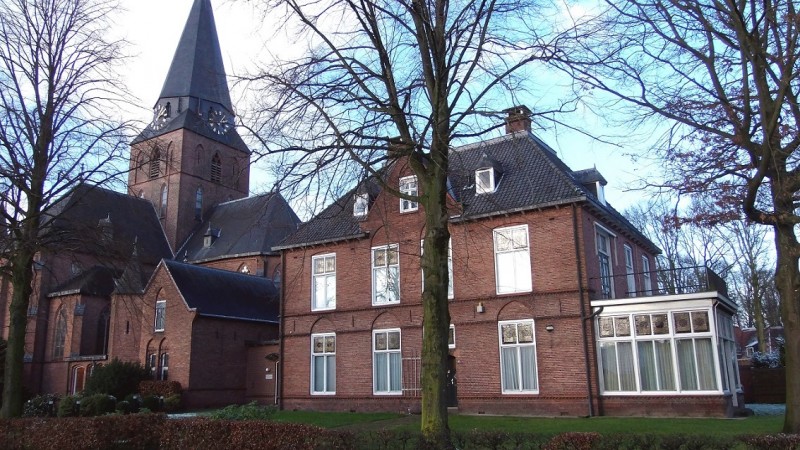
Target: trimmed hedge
{"x":159,"y":388}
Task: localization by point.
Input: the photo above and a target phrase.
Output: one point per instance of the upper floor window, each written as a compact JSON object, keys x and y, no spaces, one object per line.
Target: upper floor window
{"x":163,"y":209}
{"x":386,"y":362}
{"x":216,"y":168}
{"x":512,"y":259}
{"x":323,"y":363}
{"x":646,"y":280}
{"x":385,"y":274}
{"x":408,"y":186}
{"x":484,"y":181}
{"x":630,"y":278}
{"x":61,"y":334}
{"x":361,"y":205}
{"x":324,"y":282}
{"x":155,"y":164}
{"x":198,"y":204}
{"x":518,"y":357}
{"x":160,"y":316}
{"x":603,"y":242}
{"x":451,"y":337}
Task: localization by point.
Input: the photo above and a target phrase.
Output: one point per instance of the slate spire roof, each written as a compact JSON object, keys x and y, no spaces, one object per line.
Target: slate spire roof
{"x":197,"y":69}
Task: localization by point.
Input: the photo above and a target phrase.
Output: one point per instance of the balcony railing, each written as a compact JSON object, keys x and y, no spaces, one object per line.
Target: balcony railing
{"x":679,"y":280}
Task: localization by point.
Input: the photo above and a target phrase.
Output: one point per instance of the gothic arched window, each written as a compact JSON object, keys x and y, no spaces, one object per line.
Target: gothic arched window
{"x":163,"y":200}
{"x":216,"y":168}
{"x":198,"y":204}
{"x":61,"y":334}
{"x":155,"y":164}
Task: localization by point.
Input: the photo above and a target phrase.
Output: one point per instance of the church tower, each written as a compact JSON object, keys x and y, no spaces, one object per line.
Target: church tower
{"x":190,"y":157}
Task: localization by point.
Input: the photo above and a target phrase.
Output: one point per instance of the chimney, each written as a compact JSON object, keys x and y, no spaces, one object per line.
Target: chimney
{"x":518,"y":119}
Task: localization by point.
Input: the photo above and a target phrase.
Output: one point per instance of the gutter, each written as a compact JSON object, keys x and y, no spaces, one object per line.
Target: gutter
{"x":324,"y":241}
{"x":281,"y":326}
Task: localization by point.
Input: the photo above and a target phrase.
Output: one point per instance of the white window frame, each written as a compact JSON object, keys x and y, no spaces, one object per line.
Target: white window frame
{"x":361,"y":205}
{"x":398,"y":351}
{"x":450,"y":290}
{"x":608,"y":253}
{"x":647,"y":280}
{"x":672,"y":336}
{"x":525,"y":283}
{"x":408,"y":186}
{"x":630,"y":277}
{"x":518,"y":356}
{"x":326,"y":357}
{"x":163,"y":366}
{"x":326,"y":276}
{"x":480,"y":187}
{"x":451,"y":332}
{"x":388,"y":267}
{"x":160,"y":318}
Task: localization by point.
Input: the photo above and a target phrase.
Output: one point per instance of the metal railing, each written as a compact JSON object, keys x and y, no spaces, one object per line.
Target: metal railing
{"x":678,"y":280}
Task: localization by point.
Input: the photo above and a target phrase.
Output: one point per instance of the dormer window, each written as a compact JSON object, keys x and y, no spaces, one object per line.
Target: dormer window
{"x":484,"y":181}
{"x":408,"y":186}
{"x":211,"y":235}
{"x":361,"y":205}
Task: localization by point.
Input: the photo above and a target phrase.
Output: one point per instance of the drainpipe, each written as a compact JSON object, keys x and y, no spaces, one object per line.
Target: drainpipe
{"x":576,"y":235}
{"x":279,"y":375}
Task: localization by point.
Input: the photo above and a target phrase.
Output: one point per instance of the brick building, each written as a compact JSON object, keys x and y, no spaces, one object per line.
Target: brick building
{"x":179,"y":274}
{"x":554,"y":306}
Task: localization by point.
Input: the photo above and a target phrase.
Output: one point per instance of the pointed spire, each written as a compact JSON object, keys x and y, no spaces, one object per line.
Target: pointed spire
{"x":197,"y":69}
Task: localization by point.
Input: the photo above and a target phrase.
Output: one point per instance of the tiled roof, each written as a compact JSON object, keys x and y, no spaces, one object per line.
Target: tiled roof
{"x":247,"y":226}
{"x":530,"y":176}
{"x":97,"y":281}
{"x":106,"y":224}
{"x":224,"y":294}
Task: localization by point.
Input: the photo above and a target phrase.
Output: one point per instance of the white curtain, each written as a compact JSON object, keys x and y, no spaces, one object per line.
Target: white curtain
{"x":647,"y":366}
{"x":627,"y":370}
{"x":705,"y":364}
{"x":686,"y":365}
{"x":608,"y":355}
{"x":510,"y":369}
{"x":395,"y":371}
{"x":666,"y":370}
{"x":319,"y":373}
{"x":381,"y":375}
{"x":331,"y":373}
{"x":528,"y":365}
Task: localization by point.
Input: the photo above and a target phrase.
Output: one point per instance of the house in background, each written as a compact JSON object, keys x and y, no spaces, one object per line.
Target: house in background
{"x":554,"y":305}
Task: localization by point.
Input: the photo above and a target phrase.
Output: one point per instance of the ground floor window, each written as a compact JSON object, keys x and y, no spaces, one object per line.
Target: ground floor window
{"x":518,"y":357}
{"x":669,"y":351}
{"x":323,"y":363}
{"x":386,"y":362}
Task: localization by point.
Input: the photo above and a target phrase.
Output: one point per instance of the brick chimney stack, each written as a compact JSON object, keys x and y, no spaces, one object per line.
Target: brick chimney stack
{"x":518,"y":119}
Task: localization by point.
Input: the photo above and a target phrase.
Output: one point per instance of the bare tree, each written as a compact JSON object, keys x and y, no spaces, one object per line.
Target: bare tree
{"x":56,"y":130}
{"x":724,"y":73}
{"x":426,"y":72}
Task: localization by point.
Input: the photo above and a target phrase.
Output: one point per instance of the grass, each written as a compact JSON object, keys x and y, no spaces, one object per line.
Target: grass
{"x":547,"y":426}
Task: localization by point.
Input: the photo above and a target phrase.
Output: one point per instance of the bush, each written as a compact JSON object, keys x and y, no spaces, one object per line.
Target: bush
{"x":152,"y":403}
{"x":159,"y":388}
{"x":68,"y":406}
{"x":250,"y":411}
{"x":766,"y":360}
{"x":41,"y":406}
{"x":116,"y":378}
{"x":574,"y":441}
{"x":97,"y":405}
{"x":172,"y":403}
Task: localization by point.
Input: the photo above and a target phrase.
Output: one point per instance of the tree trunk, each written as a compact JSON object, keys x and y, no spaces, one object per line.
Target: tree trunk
{"x":758,"y":313}
{"x":788,"y":284}
{"x":436,"y":313}
{"x":15,"y":354}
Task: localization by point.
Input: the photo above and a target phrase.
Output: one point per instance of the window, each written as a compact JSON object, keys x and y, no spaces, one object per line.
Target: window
{"x":449,"y":266}
{"x":216,"y":168}
{"x":323,"y":363}
{"x":361,"y":205}
{"x":630,"y":278}
{"x":604,"y":256}
{"x":155,"y":164}
{"x":61,"y":334}
{"x":484,"y":181}
{"x":323,"y":289}
{"x":451,"y":337}
{"x":512,"y":259}
{"x":518,"y":357}
{"x":151,"y":365}
{"x":646,"y":281}
{"x":668,"y":351}
{"x":163,"y":210}
{"x":161,"y":312}
{"x":408,"y":186}
{"x":163,"y":373}
{"x":78,"y":379}
{"x":198,"y":204}
{"x":386,"y":362}
{"x":385,"y":274}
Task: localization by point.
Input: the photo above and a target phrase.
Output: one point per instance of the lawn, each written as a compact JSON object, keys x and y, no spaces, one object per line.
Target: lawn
{"x":547,"y":426}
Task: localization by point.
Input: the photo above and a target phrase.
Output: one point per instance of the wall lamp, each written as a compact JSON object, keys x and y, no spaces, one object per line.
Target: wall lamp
{"x":480,"y":309}
{"x":549,"y":328}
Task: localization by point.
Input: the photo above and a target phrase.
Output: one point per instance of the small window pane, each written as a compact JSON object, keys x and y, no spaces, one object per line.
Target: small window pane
{"x":682,"y":324}
{"x":622,"y":326}
{"x":509,"y":334}
{"x":380,"y":341}
{"x":700,"y":321}
{"x":394,"y":340}
{"x":606,"y":327}
{"x":660,"y":324}
{"x":643,"y":325}
{"x":525,"y":332}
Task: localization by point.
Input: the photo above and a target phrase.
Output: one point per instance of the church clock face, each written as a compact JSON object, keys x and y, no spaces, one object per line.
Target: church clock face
{"x":218,"y":121}
{"x":159,"y":117}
